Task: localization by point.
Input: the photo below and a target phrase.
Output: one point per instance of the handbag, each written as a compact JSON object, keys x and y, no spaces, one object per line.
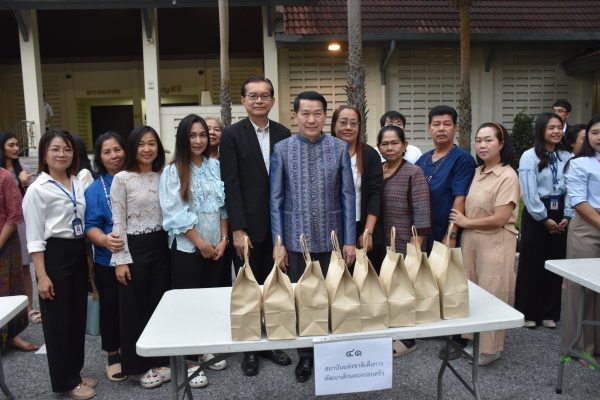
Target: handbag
{"x":310,"y":294}
{"x":279,"y":309}
{"x":246,"y":303}
{"x":447,"y":267}
{"x":373,"y":300}
{"x":427,"y":295}
{"x":344,"y":300}
{"x":398,"y":286}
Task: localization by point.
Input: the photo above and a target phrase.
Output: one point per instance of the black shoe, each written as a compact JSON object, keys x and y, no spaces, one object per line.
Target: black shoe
{"x":304,"y":369}
{"x":250,"y":364}
{"x":277,"y":356}
{"x":454,"y":353}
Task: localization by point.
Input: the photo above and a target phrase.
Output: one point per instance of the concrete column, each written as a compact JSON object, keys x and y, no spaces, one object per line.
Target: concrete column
{"x":151,"y":71}
{"x":31,"y":69}
{"x":270,"y":64}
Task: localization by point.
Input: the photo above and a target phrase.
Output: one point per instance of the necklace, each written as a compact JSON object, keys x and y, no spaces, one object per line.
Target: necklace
{"x":436,"y":166}
{"x":106,"y":194}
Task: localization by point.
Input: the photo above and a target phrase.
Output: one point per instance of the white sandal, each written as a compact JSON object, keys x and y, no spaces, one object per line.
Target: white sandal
{"x":199,"y":380}
{"x":218,"y":366}
{"x":150,"y":380}
{"x":164,"y":373}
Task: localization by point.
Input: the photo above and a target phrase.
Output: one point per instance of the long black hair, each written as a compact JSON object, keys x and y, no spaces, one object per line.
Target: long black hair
{"x":17,"y":168}
{"x":183,"y":152}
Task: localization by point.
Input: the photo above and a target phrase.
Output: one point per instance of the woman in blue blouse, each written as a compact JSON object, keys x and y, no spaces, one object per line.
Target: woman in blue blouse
{"x":192,"y":199}
{"x":583,"y":194}
{"x":543,"y":224}
{"x":109,"y":158}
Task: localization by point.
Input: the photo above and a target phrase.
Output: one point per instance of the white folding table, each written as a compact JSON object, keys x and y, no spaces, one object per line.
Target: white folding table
{"x":586,"y":273}
{"x":10,"y":306}
{"x":197,"y":321}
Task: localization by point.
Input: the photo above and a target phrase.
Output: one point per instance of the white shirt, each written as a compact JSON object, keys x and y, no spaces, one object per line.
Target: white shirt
{"x":357,"y":184}
{"x":412,"y":154}
{"x":49,"y":212}
{"x":264,"y":142}
{"x":583,"y":181}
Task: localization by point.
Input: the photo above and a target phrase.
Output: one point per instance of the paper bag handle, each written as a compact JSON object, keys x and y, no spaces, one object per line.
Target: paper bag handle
{"x":393,"y":239}
{"x":304,"y":246}
{"x":246,"y":250}
{"x":414,"y":233}
{"x":334,"y":241}
{"x":278,"y":250}
{"x":450,"y":226}
{"x":365,"y":239}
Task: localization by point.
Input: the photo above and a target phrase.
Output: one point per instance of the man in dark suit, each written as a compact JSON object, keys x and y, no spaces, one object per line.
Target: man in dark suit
{"x":245,"y":149}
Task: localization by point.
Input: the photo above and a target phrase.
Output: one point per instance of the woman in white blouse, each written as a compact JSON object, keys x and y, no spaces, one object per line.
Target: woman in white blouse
{"x":54,"y":209}
{"x":142,"y":266}
{"x":192,"y":198}
{"x":583,"y":194}
{"x":543,"y":224}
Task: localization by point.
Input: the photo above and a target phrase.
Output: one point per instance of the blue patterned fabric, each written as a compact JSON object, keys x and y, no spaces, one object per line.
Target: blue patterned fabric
{"x":312,"y":192}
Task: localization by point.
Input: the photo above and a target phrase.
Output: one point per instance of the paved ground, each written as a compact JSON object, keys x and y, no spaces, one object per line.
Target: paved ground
{"x":527,"y":371}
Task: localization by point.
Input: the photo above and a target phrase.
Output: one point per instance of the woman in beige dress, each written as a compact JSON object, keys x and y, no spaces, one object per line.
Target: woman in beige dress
{"x":489,"y":237}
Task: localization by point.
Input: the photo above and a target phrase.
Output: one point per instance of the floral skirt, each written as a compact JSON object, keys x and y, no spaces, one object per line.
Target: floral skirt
{"x":11,"y":284}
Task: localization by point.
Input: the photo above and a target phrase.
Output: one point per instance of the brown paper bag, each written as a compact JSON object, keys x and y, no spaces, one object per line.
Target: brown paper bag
{"x":373,"y":300}
{"x":279,"y":309}
{"x":447,"y":267}
{"x":426,"y":290}
{"x":246,"y":301}
{"x":398,"y":287}
{"x":312,"y":302}
{"x":344,"y":301}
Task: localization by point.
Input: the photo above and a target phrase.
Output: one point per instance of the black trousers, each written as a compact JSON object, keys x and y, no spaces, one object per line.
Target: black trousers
{"x":192,"y":271}
{"x":150,"y":279}
{"x":64,"y":316}
{"x":261,"y":259}
{"x":296,"y":268}
{"x":108,"y":289}
{"x":538,"y":291}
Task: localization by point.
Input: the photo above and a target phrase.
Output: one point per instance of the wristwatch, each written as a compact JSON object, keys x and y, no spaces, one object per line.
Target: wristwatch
{"x":225,"y":238}
{"x":452,"y":235}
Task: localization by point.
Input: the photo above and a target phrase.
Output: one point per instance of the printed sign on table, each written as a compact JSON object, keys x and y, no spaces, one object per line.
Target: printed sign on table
{"x":352,"y":366}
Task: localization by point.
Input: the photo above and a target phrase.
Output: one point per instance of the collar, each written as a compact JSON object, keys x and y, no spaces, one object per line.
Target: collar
{"x":305,"y":140}
{"x":43,"y":178}
{"x":497,"y":170}
{"x":256,"y":127}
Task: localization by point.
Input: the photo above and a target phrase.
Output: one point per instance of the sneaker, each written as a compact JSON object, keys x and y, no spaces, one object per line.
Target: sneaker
{"x":485,"y":359}
{"x":218,"y":366}
{"x":199,"y":380}
{"x":548,"y":323}
{"x":80,"y":392}
{"x":529,"y":324}
{"x":150,"y":380}
{"x":87,"y":381}
{"x":164,"y":373}
{"x":469,"y":350}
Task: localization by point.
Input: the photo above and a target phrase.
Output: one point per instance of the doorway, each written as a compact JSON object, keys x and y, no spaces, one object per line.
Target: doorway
{"x":112,"y":118}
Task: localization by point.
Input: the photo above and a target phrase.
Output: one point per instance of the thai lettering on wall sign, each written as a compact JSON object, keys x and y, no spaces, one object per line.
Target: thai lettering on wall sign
{"x":102,"y":92}
{"x":171,"y":89}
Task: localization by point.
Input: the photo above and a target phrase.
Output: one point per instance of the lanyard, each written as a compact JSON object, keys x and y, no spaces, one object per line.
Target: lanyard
{"x":73,"y":199}
{"x":554,"y":169}
{"x":106,"y":194}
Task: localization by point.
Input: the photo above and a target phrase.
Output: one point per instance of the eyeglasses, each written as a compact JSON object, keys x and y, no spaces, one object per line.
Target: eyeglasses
{"x":254,"y":96}
{"x":344,"y":122}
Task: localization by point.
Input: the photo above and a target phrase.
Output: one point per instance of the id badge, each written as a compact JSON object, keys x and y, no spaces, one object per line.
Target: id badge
{"x":77,"y":227}
{"x":554,"y":203}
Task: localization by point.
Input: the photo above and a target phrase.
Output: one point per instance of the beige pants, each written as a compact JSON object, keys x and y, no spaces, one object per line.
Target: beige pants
{"x":489,"y":261}
{"x":583,"y":242}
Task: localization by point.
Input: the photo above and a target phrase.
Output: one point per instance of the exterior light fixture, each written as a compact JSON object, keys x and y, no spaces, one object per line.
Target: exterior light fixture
{"x":334,"y":47}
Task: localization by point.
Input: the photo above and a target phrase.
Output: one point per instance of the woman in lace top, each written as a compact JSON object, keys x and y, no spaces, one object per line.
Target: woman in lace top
{"x":142,"y":266}
{"x":192,"y":199}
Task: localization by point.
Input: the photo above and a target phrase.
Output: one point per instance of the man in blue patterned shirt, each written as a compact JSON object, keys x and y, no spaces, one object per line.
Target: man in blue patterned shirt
{"x":312,"y":193}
